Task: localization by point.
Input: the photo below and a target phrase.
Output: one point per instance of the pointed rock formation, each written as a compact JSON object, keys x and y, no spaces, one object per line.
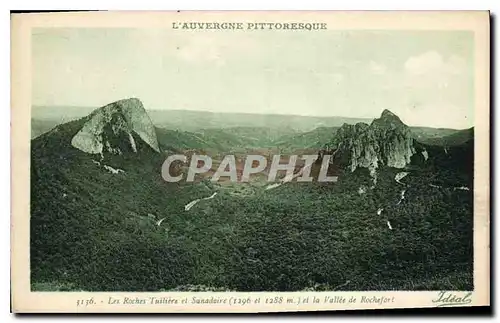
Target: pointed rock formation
{"x":112,"y":128}
{"x":394,"y":139}
{"x":386,"y":141}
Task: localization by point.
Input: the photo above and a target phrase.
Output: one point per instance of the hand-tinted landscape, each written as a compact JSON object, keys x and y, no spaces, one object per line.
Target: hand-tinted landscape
{"x":400,"y":216}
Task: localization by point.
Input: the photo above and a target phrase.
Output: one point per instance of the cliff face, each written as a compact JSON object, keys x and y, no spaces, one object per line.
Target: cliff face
{"x":395,"y":140}
{"x":386,"y":141}
{"x":112,"y":129}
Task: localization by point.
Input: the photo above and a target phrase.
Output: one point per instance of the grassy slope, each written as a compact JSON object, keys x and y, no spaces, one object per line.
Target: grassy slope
{"x":311,"y":139}
{"x":454,"y":139}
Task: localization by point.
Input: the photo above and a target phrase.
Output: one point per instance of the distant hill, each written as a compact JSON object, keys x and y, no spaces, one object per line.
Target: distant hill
{"x":315,"y":138}
{"x":60,"y":114}
{"x":179,"y":141}
{"x":40,"y":126}
{"x":426,"y":133}
{"x":250,"y":137}
{"x":193,"y":121}
{"x":234,"y":130}
{"x":455,"y":138}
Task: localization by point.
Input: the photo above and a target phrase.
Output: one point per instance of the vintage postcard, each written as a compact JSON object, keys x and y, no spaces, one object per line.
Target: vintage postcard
{"x":167,"y":162}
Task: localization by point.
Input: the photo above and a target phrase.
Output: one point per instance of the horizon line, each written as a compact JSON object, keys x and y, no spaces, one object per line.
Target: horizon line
{"x":206,"y":111}
{"x":255,"y":113}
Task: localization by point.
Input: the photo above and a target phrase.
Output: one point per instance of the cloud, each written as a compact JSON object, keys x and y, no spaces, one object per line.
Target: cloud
{"x":431,"y":84}
{"x":377,"y":68}
{"x":431,"y":75}
{"x":195,"y":48}
{"x":443,"y":112}
{"x":432,"y":62}
{"x":456,"y":65}
{"x":337,"y":77}
{"x":201,"y":50}
{"x":213,"y":48}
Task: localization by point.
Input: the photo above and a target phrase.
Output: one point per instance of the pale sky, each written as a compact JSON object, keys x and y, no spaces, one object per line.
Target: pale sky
{"x":425,"y":77}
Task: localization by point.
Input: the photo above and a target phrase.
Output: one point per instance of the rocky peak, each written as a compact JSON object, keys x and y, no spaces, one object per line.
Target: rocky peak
{"x":114,"y":129}
{"x":386,"y":141}
{"x":388,"y":114}
{"x":350,"y":130}
{"x":387,"y":118}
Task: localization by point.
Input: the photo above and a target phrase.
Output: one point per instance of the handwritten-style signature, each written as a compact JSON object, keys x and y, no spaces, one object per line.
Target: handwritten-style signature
{"x":452,"y":299}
